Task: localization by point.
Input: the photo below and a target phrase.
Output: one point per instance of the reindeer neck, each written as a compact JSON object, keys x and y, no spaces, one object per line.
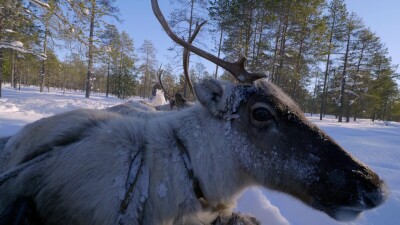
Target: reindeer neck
{"x":203,"y":138}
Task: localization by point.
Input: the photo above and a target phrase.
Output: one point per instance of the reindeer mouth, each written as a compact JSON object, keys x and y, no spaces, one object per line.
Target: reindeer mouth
{"x":366,"y":201}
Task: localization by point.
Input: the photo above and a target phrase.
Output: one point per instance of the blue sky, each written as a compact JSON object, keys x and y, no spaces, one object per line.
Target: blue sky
{"x":381,"y":16}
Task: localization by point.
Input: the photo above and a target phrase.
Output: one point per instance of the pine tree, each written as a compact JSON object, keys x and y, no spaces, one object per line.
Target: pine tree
{"x":148,"y":67}
{"x":335,"y":20}
{"x":18,"y":34}
{"x":363,"y":48}
{"x":353,"y":24}
{"x":109,"y":41}
{"x":90,"y":15}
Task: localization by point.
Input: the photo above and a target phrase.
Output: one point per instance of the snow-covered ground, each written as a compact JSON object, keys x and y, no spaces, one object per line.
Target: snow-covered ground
{"x":18,"y":108}
{"x":377,"y":144}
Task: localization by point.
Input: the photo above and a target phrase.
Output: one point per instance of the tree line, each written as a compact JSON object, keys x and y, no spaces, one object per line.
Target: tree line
{"x":318,"y":52}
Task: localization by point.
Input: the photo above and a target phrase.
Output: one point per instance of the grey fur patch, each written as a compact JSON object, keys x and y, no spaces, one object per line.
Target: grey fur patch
{"x":3,"y":142}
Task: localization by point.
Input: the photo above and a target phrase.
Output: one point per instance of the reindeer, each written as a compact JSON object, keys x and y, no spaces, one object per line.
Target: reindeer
{"x":181,"y":167}
{"x":177,"y":102}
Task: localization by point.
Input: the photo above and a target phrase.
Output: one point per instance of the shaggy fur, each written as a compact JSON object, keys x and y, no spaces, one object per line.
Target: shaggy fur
{"x":3,"y":142}
{"x":106,"y":168}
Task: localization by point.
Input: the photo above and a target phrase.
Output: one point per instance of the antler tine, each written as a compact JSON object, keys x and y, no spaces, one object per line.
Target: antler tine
{"x":186,"y":56}
{"x":236,"y":68}
{"x":159,"y":74}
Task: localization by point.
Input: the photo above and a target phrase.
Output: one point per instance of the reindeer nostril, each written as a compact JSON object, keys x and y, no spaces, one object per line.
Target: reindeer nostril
{"x":371,"y":189}
{"x":372,"y":200}
{"x":376,"y":197}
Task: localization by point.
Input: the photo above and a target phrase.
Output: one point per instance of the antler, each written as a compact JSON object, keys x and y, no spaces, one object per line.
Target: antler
{"x":186,"y":56}
{"x":236,"y":68}
{"x":159,"y":73}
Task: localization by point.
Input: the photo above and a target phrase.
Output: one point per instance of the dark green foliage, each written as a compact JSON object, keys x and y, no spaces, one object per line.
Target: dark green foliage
{"x":292,"y":41}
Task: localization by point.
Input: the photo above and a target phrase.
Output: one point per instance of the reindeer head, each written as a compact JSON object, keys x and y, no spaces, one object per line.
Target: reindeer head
{"x":281,"y":150}
{"x":276,"y":145}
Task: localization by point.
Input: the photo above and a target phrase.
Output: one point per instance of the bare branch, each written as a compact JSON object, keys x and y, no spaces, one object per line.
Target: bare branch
{"x":236,"y":69}
{"x":395,"y":76}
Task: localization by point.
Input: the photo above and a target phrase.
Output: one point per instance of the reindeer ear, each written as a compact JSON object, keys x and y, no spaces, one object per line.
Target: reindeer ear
{"x":209,"y":93}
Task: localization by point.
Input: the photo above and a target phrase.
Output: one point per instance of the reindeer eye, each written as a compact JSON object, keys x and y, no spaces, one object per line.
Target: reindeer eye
{"x":261,"y":115}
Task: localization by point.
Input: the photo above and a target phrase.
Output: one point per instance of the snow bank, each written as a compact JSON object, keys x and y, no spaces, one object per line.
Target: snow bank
{"x":254,"y":202}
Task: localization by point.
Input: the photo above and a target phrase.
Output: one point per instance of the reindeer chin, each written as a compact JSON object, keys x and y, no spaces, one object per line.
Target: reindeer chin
{"x":345,"y":214}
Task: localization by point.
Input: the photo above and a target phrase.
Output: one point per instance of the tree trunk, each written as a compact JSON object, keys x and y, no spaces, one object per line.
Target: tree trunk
{"x":254,"y":49}
{"x":1,"y":69}
{"x":343,"y":86}
{"x":146,"y":73}
{"x":1,"y":57}
{"x":13,"y":68}
{"x":297,"y":71}
{"x":108,"y":77}
{"x":119,"y":88}
{"x":273,"y":75}
{"x":282,"y":51}
{"x":259,"y":42}
{"x":43,"y":73}
{"x":373,"y":115}
{"x":247,"y":38}
{"x":323,"y":100}
{"x":341,"y":98}
{"x":19,"y":81}
{"x":64,"y":80}
{"x":348,"y":112}
{"x":91,"y":49}
{"x":347,"y":104}
{"x":385,"y":108}
{"x":48,"y":84}
{"x":219,"y":52}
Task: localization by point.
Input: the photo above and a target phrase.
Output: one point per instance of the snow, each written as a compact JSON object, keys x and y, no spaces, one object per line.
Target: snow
{"x":375,"y":143}
{"x":255,"y":203}
{"x":40,"y":4}
{"x":288,"y":55}
{"x":17,"y":108}
{"x":19,"y":46}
